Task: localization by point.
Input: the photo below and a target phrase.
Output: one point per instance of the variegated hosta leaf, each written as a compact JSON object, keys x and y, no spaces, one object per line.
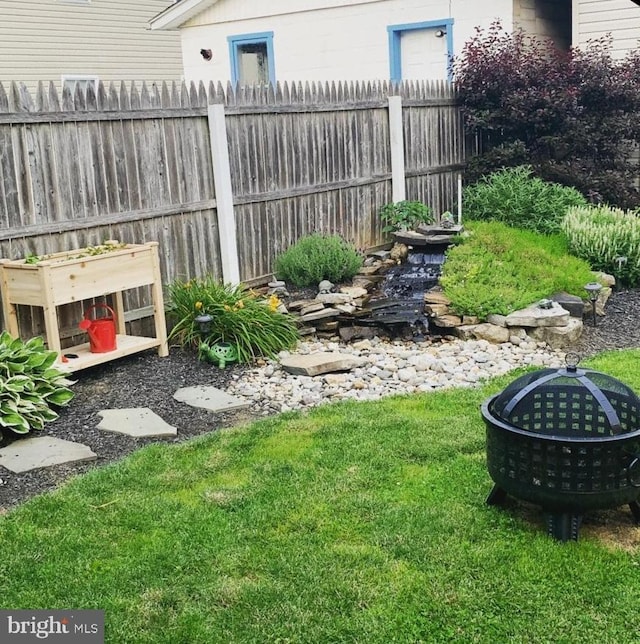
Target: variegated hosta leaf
{"x":29,"y":384}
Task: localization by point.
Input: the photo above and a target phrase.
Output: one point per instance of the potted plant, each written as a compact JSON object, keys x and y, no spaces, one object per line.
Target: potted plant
{"x":405,"y":215}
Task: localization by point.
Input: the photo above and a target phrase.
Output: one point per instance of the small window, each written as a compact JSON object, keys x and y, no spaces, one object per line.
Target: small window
{"x":252,"y":59}
{"x":73,"y":81}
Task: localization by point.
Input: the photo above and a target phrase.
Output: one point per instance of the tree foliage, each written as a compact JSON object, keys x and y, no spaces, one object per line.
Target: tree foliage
{"x":573,"y":116}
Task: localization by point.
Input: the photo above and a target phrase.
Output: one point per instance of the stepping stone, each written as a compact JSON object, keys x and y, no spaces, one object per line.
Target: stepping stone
{"x":209,"y":398}
{"x":314,"y":364}
{"x":138,"y":422}
{"x":28,"y":454}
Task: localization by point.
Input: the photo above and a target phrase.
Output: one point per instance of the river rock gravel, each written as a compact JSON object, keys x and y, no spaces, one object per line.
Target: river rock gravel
{"x":388,"y":368}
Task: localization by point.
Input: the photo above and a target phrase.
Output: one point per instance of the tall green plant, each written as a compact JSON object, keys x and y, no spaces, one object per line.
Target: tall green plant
{"x":607,"y":238}
{"x":250,"y":323}
{"x":29,"y":385}
{"x":318,"y":257}
{"x":517,"y":198}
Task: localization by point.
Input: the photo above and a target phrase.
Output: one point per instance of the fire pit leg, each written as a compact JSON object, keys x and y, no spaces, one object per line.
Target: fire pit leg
{"x":496,"y":496}
{"x":563,"y":527}
{"x":634,"y":506}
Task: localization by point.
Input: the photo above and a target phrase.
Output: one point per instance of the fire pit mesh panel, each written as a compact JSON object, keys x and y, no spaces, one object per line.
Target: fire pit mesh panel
{"x":570,"y":403}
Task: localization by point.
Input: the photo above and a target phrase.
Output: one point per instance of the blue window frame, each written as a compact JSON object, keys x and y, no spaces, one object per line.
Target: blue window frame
{"x":253,"y":52}
{"x":395,"y":48}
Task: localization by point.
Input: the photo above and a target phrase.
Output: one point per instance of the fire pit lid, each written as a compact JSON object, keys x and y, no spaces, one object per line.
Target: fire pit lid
{"x":569,"y":402}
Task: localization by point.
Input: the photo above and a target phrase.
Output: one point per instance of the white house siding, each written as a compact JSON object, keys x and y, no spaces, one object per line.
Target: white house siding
{"x":335,"y":40}
{"x":595,"y":18}
{"x":110,"y":39}
{"x":546,"y":18}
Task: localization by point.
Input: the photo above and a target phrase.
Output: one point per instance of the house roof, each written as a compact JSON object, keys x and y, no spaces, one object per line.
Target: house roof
{"x":178,"y":13}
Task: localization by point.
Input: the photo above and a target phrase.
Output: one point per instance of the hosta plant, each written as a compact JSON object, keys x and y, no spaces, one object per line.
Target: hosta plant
{"x":607,"y":238}
{"x":30,"y":387}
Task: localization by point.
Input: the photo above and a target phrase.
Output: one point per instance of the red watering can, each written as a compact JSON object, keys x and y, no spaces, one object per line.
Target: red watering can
{"x":102,"y":331}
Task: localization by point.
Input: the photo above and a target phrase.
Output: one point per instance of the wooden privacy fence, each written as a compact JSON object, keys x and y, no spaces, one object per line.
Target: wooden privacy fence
{"x":224,"y":180}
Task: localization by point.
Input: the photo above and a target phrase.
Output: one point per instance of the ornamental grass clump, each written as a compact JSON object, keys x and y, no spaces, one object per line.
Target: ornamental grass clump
{"x":253,"y":325}
{"x":29,"y":384}
{"x":608,"y":238}
{"x":517,"y":198}
{"x":498,"y":269}
{"x":318,"y":257}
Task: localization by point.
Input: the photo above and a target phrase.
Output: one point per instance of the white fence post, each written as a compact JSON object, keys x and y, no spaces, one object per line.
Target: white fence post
{"x":224,"y":195}
{"x":396,"y":139}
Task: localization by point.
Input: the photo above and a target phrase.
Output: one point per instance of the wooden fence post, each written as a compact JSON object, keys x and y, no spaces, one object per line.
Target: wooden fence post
{"x":396,"y":139}
{"x":224,"y":194}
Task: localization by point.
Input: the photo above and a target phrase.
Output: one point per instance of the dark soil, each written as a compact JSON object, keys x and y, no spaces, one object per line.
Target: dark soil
{"x":145,"y":380}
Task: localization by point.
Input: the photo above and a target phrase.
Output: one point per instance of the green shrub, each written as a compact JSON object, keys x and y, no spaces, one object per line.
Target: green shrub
{"x":517,"y":198}
{"x":29,"y":385}
{"x":318,"y":257}
{"x":498,"y":269}
{"x":405,"y":215}
{"x":251,"y":324}
{"x":607,"y":238}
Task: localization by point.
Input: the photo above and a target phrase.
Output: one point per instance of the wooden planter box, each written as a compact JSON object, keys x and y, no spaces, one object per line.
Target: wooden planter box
{"x":72,"y":276}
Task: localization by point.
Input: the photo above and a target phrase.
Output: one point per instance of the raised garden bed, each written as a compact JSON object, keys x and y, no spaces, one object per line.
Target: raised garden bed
{"x":77,"y":275}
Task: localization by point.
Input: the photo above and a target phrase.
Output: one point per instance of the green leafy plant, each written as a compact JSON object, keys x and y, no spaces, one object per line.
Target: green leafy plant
{"x":90,"y":251}
{"x":29,"y":385}
{"x":498,"y":269}
{"x":405,"y":215}
{"x":607,"y":238}
{"x":318,"y":257}
{"x":238,"y":316}
{"x":517,"y":198}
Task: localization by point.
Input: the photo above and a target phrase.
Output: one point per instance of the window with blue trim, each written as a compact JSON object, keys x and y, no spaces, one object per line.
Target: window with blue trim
{"x":251,"y":57}
{"x":435,"y":30}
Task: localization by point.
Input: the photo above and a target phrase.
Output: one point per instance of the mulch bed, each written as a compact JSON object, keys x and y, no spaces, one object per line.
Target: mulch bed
{"x":144,"y":380}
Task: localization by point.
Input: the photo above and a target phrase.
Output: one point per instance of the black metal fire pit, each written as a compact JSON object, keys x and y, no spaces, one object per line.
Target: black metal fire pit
{"x":567,"y":440}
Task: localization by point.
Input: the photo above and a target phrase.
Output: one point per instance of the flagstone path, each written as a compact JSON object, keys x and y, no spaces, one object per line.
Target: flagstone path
{"x":31,"y":453}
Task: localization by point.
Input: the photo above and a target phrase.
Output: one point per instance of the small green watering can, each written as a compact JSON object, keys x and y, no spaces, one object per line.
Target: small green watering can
{"x":220,"y":353}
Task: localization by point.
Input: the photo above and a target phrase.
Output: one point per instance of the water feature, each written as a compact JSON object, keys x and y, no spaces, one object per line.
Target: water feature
{"x":400,"y":306}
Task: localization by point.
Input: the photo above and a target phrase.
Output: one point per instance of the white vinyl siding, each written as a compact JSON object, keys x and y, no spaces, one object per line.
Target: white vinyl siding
{"x":596,"y":18}
{"x":109,"y":39}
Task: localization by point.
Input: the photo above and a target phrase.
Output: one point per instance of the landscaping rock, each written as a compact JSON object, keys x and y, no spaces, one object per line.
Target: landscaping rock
{"x":497,"y":319}
{"x":312,"y":307}
{"x":491,"y":333}
{"x":604,"y":278}
{"x":140,"y":421}
{"x":558,"y":337}
{"x":535,"y":316}
{"x":334,"y":298}
{"x":436,"y":297}
{"x":354,"y":292}
{"x":571,"y":303}
{"x":349,"y":333}
{"x":316,"y":364}
{"x":319,"y":315}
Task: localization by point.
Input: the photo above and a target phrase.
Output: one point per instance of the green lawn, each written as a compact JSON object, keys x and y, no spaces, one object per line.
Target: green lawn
{"x":359,"y":522}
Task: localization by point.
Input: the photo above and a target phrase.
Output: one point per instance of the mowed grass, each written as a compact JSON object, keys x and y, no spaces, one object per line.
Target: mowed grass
{"x":360,"y":522}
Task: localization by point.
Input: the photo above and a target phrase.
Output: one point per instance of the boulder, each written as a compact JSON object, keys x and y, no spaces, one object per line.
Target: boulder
{"x":536,"y":316}
{"x":571,"y":303}
{"x":559,"y":337}
{"x":491,"y":333}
